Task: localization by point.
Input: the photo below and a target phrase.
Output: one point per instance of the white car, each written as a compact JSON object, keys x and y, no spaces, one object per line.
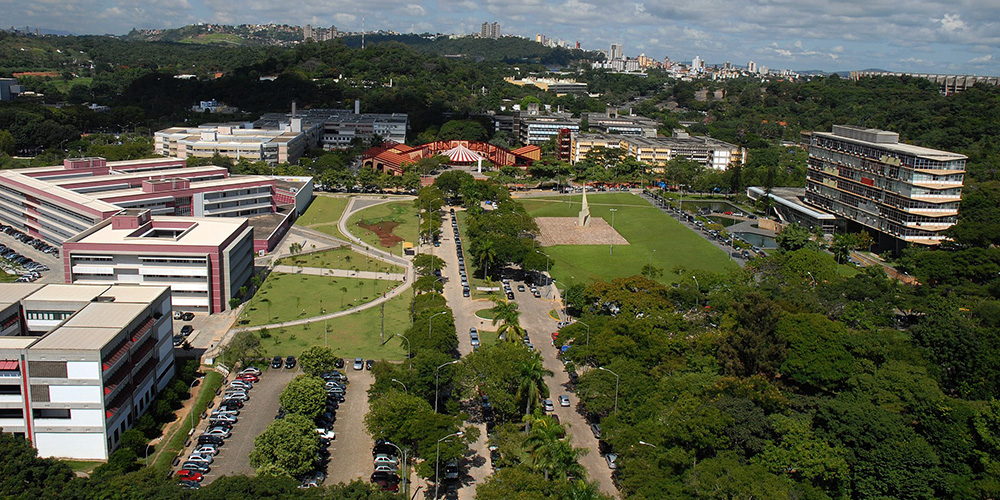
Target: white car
{"x":359,"y":364}
{"x":199,"y":457}
{"x":383,"y":459}
{"x":206,"y":449}
{"x":564,"y":400}
{"x":386,"y":468}
{"x":250,"y":370}
{"x":547,"y":405}
{"x":326,"y":434}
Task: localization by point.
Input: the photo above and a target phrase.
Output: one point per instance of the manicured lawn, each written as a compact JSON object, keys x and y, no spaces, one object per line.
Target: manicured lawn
{"x":340,"y":258}
{"x":475,"y":274}
{"x":403,"y":213}
{"x":296,"y":296}
{"x":350,"y":336}
{"x":323,"y":210}
{"x":82,"y":465}
{"x":653,"y":236}
{"x":485,"y":313}
{"x":174,"y":442}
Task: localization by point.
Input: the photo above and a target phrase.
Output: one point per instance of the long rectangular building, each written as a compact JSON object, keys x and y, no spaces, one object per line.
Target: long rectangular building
{"x":80,"y":364}
{"x":711,"y":153}
{"x":906,"y":192}
{"x":57,"y":202}
{"x":204,"y":260}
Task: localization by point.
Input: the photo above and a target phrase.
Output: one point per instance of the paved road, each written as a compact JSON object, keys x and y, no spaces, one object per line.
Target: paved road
{"x":536,"y":320}
{"x":350,"y":452}
{"x":257,"y":413}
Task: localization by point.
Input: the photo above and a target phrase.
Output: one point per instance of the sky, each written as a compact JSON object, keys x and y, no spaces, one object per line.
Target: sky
{"x":922,"y":36}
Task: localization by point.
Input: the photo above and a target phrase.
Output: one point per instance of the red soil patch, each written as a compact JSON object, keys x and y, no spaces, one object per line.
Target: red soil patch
{"x":384,"y":232}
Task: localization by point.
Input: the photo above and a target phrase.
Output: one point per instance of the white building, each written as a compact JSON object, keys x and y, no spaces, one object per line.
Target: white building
{"x":80,"y":364}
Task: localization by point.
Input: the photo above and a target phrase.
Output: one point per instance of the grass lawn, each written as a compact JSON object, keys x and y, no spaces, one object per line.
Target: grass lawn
{"x":85,"y":466}
{"x":485,"y":313}
{"x":340,"y":258}
{"x":401,"y":212}
{"x":65,"y":85}
{"x":165,"y":453}
{"x":652,"y":236}
{"x":296,"y":296}
{"x":352,"y":336}
{"x":323,"y":210}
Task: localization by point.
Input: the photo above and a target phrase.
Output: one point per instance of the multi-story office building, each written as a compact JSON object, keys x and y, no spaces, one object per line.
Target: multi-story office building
{"x":283,"y":144}
{"x":712,"y":153}
{"x":338,"y":128}
{"x":319,"y":34}
{"x":612,"y":122}
{"x":903,"y":192}
{"x":80,"y":364}
{"x":54,"y":203}
{"x":204,"y":260}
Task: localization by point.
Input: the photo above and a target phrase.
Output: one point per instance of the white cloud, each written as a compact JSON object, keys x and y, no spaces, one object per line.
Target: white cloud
{"x":952,"y":23}
{"x":414,"y":10}
{"x":982,"y":59}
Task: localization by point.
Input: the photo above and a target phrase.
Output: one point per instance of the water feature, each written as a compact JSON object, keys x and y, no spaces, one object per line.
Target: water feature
{"x":758,"y":240}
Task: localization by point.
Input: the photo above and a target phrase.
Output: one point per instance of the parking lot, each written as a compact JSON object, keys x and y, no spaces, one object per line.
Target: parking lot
{"x":350,"y":452}
{"x":257,"y":413}
{"x":55,"y":273}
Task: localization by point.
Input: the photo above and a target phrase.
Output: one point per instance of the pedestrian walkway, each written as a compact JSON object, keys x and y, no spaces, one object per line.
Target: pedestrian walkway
{"x":340,"y":273}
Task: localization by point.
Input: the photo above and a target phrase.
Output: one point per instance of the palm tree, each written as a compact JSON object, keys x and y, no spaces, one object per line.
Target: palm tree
{"x":531,"y":382}
{"x":582,"y":490}
{"x":486,"y":254}
{"x":506,"y":313}
{"x":547,"y":453}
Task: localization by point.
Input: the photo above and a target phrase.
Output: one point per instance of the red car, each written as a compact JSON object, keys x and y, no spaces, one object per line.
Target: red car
{"x":249,"y":378}
{"x":190,"y":475}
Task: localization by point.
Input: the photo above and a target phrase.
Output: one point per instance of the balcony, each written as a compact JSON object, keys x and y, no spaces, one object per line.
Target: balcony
{"x":123,"y":396}
{"x":144,"y":328}
{"x":116,"y":355}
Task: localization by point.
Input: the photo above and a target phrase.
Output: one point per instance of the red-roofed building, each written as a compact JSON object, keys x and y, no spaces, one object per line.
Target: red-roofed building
{"x":392,"y":157}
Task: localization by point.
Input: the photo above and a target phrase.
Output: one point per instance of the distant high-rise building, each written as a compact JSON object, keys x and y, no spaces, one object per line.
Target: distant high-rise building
{"x":538,"y":38}
{"x":752,"y":67}
{"x":319,"y":34}
{"x":616,"y":52}
{"x":697,"y":65}
{"x":491,"y":30}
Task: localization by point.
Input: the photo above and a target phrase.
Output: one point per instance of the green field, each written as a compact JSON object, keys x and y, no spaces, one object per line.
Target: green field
{"x":214,"y":39}
{"x":340,"y":258}
{"x":351,"y":336}
{"x":65,"y":85}
{"x":286,"y":297}
{"x":401,"y":212}
{"x":323,"y":210}
{"x":653,"y":236}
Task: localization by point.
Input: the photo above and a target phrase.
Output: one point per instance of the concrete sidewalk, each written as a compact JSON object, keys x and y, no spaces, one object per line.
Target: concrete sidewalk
{"x":342,"y":273}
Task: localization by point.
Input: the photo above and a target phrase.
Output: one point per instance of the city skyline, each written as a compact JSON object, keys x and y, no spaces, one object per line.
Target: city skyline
{"x":915,"y":35}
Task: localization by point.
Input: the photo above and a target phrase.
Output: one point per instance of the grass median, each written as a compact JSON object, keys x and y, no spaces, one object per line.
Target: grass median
{"x":289,"y":296}
{"x":340,"y":258}
{"x":175,"y":441}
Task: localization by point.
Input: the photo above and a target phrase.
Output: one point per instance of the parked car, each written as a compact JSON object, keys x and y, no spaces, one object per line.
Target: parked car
{"x":178,"y":340}
{"x":326,"y":434}
{"x":382,"y":458}
{"x":451,"y":470}
{"x":210,"y":439}
{"x":596,"y":429}
{"x":276,"y":362}
{"x":338,"y":363}
{"x":188,"y":316}
{"x":207,"y":449}
{"x":223,"y":419}
{"x":248,"y":378}
{"x":250,"y":370}
{"x":547,"y":405}
{"x":386,"y":468}
{"x":369,"y":364}
{"x":563,"y":400}
{"x":187,"y":330}
{"x":386,"y":481}
{"x":383,"y":447}
{"x":612,"y":460}
{"x":219,"y":431}
{"x":201,"y":467}
{"x":189,"y":475}
{"x":198,"y":457}
{"x":359,"y":364}
{"x":290,"y":362}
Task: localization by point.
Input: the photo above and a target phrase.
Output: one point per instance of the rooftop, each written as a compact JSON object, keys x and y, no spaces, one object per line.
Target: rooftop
{"x":265,"y":224}
{"x":67,"y":293}
{"x":196,"y":231}
{"x":86,"y":338}
{"x":884,"y":140}
{"x":139,"y":294}
{"x":105,"y":315}
{"x":14,"y":292}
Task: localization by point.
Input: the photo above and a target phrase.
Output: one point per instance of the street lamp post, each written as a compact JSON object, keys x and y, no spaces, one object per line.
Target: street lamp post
{"x":326,"y":330}
{"x":405,"y":471}
{"x":191,"y":419}
{"x":437,"y":381}
{"x":588,"y":333}
{"x":617,"y":379}
{"x":402,"y":384}
{"x":437,"y":461}
{"x":612,"y":249}
{"x":408,"y":358}
{"x":539,"y":252}
{"x":431,"y":320}
{"x":651,"y":445}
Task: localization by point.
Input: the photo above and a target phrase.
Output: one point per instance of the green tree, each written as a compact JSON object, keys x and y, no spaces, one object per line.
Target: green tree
{"x":794,"y":237}
{"x":304,"y":395}
{"x":6,"y":143}
{"x":466,"y":130}
{"x":287,"y":445}
{"x":753,"y":347}
{"x":505,"y":312}
{"x":317,"y":360}
{"x":25,"y":475}
{"x":531,"y":386}
{"x":244,"y":346}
